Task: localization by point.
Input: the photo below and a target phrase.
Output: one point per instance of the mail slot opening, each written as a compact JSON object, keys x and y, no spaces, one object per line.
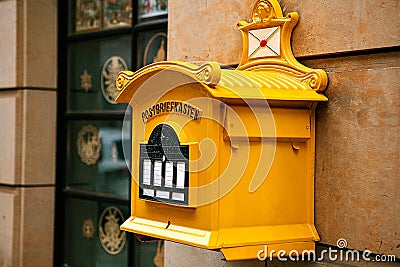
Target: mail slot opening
{"x":164,"y":167}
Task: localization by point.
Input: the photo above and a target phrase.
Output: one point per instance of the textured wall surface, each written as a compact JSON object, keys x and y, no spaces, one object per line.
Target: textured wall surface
{"x":27,"y":131}
{"x":37,"y":43}
{"x":28,"y":50}
{"x":205,"y":30}
{"x":357,"y":153}
{"x":8,"y":45}
{"x":358,"y":134}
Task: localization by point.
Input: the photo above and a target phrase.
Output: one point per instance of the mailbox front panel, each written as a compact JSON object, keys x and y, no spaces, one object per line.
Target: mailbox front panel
{"x":251,"y":182}
{"x":182,"y":150}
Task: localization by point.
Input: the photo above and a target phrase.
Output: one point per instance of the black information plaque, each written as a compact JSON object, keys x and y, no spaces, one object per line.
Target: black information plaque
{"x":164,"y":167}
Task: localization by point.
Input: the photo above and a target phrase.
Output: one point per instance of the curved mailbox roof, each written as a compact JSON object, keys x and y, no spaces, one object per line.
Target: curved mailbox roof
{"x":270,"y":83}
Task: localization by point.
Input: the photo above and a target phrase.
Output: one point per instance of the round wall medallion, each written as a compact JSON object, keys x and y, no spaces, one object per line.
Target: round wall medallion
{"x":111,"y":237}
{"x":88,"y":144}
{"x":155,"y":50}
{"x":111,"y":68}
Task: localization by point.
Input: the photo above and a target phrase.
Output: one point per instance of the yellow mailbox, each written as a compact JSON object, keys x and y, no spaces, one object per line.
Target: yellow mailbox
{"x":223,"y":158}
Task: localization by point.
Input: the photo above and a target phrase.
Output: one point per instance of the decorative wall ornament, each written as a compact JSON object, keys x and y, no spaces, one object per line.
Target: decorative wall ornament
{"x":88,"y":229}
{"x":111,"y":237}
{"x":111,"y":68}
{"x":89,"y":144}
{"x":155,"y":50}
{"x":86,"y":81}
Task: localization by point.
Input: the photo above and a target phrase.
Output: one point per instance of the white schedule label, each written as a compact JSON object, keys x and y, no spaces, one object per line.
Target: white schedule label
{"x":146,"y":171}
{"x":157,"y":173}
{"x":148,"y":192}
{"x":178,"y":196}
{"x":180,"y":175}
{"x":162,"y":194}
{"x":169,"y":174}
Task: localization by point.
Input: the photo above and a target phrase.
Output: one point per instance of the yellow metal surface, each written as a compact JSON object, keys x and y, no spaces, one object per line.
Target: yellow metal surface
{"x":244,"y":253}
{"x":289,"y":123}
{"x":228,"y":138}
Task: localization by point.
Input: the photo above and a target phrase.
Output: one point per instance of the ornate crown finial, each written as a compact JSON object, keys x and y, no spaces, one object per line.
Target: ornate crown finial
{"x":266,"y":44}
{"x":263,"y":12}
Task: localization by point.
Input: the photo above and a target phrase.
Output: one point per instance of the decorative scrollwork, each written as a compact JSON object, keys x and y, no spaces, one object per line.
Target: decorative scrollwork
{"x":313,"y":80}
{"x":205,"y":74}
{"x":208,"y":73}
{"x":123,"y":78}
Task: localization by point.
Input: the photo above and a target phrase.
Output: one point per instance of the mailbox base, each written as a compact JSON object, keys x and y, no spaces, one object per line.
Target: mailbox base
{"x":235,"y":243}
{"x":296,"y":250}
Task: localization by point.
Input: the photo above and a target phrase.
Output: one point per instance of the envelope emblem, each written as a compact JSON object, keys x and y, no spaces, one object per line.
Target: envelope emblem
{"x":264,"y":42}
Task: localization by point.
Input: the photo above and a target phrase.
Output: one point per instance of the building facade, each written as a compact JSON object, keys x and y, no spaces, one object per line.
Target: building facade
{"x":357,"y":177}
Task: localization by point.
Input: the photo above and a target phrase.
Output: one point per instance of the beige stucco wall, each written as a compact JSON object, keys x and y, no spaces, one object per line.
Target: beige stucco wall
{"x":205,"y":29}
{"x":357,"y":153}
{"x":357,"y":174}
{"x":27,"y":131}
